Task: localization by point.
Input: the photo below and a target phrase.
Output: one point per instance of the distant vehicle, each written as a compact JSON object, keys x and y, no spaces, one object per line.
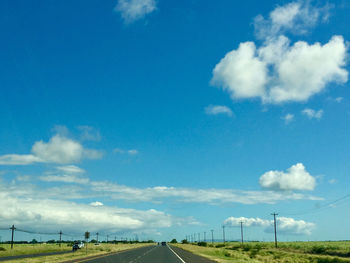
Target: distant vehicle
{"x":163,"y":243}
{"x":77,"y":245}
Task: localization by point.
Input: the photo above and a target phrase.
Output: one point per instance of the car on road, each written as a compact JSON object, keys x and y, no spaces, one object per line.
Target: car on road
{"x":163,"y":243}
{"x":77,"y":245}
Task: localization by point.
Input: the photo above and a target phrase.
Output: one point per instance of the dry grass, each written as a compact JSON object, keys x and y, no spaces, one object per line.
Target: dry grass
{"x":92,"y":251}
{"x":22,"y":249}
{"x":288,"y":252}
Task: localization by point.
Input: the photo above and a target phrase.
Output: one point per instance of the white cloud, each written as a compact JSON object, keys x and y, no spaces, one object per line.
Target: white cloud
{"x":288,"y":118}
{"x":288,"y":225}
{"x":285,"y":225}
{"x":59,"y":149}
{"x":241,"y":72}
{"x":133,"y":152}
{"x":332,"y":181}
{"x":132,"y":10}
{"x":339,"y":99}
{"x":46,"y":214}
{"x":130,"y":152}
{"x":18,"y":159}
{"x":280,"y":71}
{"x":236,"y":221}
{"x":296,"y":17}
{"x":312,"y":114}
{"x":89,"y":133}
{"x":296,"y":178}
{"x":189,"y":195}
{"x":97,"y":203}
{"x":218,"y":109}
{"x":70,"y":169}
{"x":64,"y":179}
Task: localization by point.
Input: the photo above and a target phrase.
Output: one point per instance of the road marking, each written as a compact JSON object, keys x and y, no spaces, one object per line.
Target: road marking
{"x":103,"y":256}
{"x":176,"y":255}
{"x":144,"y":254}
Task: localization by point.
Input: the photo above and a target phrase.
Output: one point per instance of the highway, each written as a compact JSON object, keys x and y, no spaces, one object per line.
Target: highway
{"x":151,"y":254}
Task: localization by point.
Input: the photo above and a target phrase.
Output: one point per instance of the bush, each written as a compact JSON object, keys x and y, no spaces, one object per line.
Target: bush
{"x":220,"y":245}
{"x":184,"y":241}
{"x":2,"y":249}
{"x":318,"y":250}
{"x":174,"y":241}
{"x":202,"y":244}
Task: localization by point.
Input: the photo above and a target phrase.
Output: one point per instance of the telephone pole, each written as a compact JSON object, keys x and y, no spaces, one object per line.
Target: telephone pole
{"x":60,"y":237}
{"x":241,"y":231}
{"x":205,"y":239}
{"x":13,"y":230}
{"x":212,"y":236}
{"x":97,"y":237}
{"x":223,"y":233}
{"x":199,"y":237}
{"x":274,"y":221}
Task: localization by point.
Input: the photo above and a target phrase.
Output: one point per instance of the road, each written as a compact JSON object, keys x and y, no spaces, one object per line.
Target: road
{"x":151,"y":254}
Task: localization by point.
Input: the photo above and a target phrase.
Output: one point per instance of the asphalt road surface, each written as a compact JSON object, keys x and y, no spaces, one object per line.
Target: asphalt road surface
{"x":152,"y":254}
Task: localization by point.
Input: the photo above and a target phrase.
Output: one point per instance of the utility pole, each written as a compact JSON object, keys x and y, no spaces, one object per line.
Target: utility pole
{"x":107,"y":238}
{"x":274,"y":221}
{"x":199,"y":237}
{"x":60,"y":237}
{"x":97,"y":237}
{"x":241,"y":231}
{"x":205,"y":239}
{"x":223,"y":233}
{"x":13,"y":230}
{"x":212,"y":236}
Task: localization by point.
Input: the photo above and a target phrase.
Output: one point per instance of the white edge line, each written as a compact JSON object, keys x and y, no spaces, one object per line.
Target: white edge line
{"x":176,"y":254}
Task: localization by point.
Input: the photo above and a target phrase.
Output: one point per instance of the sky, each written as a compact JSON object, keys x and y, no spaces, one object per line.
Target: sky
{"x":164,"y":119}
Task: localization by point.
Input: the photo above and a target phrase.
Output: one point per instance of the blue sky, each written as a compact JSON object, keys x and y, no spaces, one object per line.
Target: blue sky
{"x":165,"y":119}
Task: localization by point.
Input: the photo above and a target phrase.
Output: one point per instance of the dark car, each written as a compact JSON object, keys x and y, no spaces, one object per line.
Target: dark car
{"x":75,"y":247}
{"x":163,"y":243}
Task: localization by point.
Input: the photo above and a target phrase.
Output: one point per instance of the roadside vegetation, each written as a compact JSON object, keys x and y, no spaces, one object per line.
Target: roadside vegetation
{"x":92,"y":250}
{"x":287,"y":252}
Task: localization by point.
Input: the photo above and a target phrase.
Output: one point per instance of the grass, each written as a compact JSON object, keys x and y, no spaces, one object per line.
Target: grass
{"x":23,"y":249}
{"x":288,"y":252}
{"x":92,"y":251}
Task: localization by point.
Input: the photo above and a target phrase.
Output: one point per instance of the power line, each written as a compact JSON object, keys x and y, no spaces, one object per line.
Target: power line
{"x":319,"y":208}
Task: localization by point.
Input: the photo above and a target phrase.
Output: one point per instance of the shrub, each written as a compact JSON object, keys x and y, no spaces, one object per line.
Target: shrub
{"x":2,"y":249}
{"x":318,"y":250}
{"x":202,"y":244}
{"x":174,"y":241}
{"x":220,"y":245}
{"x":227,"y":254}
{"x":184,"y":241}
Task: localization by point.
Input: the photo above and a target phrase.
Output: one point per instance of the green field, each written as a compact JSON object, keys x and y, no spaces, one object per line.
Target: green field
{"x":44,"y":248}
{"x":287,"y":252}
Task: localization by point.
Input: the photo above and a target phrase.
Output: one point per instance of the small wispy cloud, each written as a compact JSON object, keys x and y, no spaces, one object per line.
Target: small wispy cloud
{"x":313,"y":114}
{"x":132,"y":10}
{"x":218,"y":109}
{"x":89,"y":133}
{"x":70,"y":169}
{"x":288,"y":118}
{"x":129,"y":152}
{"x":64,"y":179}
{"x":97,"y":203}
